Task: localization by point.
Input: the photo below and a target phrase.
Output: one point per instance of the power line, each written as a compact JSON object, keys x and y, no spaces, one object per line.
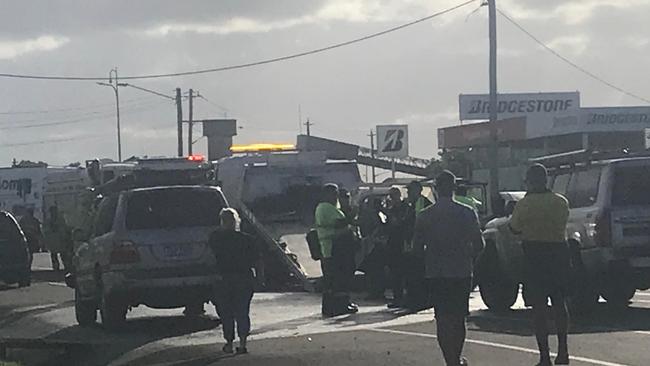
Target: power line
{"x":571,"y":63}
{"x":245,"y":65}
{"x":51,"y":141}
{"x":88,"y":115}
{"x":43,"y":111}
{"x":214,"y":104}
{"x":71,"y":121}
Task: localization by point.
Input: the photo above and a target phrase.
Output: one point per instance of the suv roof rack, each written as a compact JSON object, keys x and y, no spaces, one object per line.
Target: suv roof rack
{"x":585,"y":157}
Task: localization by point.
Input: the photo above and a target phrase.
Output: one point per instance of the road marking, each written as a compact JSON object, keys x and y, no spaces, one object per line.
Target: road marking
{"x":644,"y":332}
{"x":500,"y":345}
{"x":57,"y":284}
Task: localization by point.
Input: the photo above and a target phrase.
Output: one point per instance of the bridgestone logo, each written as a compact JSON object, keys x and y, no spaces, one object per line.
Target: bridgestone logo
{"x":393,"y":142}
{"x":523,"y":106}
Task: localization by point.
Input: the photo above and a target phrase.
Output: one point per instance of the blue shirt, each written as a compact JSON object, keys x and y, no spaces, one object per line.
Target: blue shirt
{"x":450,"y":236}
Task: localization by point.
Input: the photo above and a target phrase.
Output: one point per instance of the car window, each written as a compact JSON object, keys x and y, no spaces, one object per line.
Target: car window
{"x":631,"y":186}
{"x":583,"y":188}
{"x":168,"y":208}
{"x":561,"y":183}
{"x":105,"y":216}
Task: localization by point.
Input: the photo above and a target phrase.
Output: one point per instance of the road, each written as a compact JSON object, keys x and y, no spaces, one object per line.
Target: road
{"x":288,"y":330}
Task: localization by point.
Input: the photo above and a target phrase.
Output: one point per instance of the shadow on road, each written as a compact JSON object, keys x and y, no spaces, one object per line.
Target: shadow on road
{"x":603,"y":319}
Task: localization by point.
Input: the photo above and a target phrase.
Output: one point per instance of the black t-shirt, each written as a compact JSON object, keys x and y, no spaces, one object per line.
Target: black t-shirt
{"x":236,"y":252}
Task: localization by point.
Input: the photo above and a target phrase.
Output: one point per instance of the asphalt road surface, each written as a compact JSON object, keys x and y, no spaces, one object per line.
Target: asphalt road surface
{"x":288,"y":330}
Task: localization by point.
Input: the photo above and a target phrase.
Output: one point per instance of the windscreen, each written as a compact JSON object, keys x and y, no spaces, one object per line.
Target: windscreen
{"x":631,"y":186}
{"x":173,"y":208}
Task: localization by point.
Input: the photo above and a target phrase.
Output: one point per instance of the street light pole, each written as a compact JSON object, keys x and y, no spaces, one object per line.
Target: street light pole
{"x":115,"y":87}
{"x":494,"y":142}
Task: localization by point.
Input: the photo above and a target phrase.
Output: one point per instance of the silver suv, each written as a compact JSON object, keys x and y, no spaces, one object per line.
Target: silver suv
{"x":608,"y":233}
{"x":149,"y":247}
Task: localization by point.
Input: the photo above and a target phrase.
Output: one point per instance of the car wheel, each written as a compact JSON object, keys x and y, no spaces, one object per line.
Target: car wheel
{"x":113,"y":312}
{"x":85,"y":310}
{"x":497,"y":291}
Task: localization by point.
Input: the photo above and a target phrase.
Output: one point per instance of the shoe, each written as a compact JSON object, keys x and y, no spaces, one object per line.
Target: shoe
{"x":353,"y":305}
{"x":544,"y":363}
{"x":227,"y":348}
{"x":562,"y":360}
{"x":464,"y":362}
{"x":242,"y":350}
{"x":394,"y":305}
{"x":352,"y":309}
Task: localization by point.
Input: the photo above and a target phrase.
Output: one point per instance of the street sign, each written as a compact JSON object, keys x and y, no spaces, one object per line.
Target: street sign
{"x":392,"y":141}
{"x":646,"y":132}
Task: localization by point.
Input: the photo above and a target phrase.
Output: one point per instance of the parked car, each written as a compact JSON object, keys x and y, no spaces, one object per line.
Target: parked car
{"x":15,"y":257}
{"x":149,"y":247}
{"x":608,"y":235}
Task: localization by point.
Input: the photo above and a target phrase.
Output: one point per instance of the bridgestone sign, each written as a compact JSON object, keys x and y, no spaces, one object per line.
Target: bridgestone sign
{"x":393,"y":141}
{"x":477,"y":106}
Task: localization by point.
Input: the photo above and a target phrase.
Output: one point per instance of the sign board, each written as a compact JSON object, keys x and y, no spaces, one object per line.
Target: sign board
{"x":647,"y":138}
{"x":392,"y":141}
{"x":477,"y":106}
{"x":475,"y":134}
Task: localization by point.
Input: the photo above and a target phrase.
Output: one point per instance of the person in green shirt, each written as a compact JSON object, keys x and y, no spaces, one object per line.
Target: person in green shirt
{"x":332,"y":228}
{"x":540,"y":218}
{"x":461,"y":196}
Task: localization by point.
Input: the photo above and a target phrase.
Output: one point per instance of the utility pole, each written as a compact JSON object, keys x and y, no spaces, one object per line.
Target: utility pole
{"x":190,"y":123}
{"x":372,"y":154}
{"x":308,"y":124}
{"x":179,"y":121}
{"x":115,"y":87}
{"x":494,"y":142}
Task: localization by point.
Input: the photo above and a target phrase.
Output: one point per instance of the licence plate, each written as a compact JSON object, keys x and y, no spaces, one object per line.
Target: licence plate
{"x":177,"y":251}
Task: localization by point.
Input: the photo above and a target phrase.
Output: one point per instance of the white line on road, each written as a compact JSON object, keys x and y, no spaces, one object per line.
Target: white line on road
{"x":644,"y":332}
{"x":500,"y":345}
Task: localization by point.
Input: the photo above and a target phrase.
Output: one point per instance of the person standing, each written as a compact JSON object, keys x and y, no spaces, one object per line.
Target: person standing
{"x":541,"y":219}
{"x":396,"y":210}
{"x":334,"y":236}
{"x":237,"y":256}
{"x":416,"y":287}
{"x":449,"y":238}
{"x":32,"y":229}
{"x":57,"y":239}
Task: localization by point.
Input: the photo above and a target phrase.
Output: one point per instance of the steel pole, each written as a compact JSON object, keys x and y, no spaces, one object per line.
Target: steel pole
{"x":494,"y":143}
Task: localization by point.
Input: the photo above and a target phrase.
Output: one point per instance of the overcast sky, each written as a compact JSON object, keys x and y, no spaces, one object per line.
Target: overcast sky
{"x":411,"y":76}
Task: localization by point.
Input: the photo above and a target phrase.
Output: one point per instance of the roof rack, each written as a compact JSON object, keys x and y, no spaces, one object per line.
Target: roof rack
{"x":584,"y":157}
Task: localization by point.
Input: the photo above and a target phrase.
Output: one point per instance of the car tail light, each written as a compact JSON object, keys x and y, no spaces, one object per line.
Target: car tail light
{"x":603,"y":229}
{"x":124,"y":252}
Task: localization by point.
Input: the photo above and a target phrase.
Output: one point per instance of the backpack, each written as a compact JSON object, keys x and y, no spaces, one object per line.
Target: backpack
{"x":314,"y":245}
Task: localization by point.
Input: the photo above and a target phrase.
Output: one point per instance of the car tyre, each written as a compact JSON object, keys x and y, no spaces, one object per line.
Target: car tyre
{"x":85,"y":310}
{"x":113,"y":312}
{"x":497,"y":291}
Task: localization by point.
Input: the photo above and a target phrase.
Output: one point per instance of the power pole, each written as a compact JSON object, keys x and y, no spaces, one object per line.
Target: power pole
{"x":179,"y":121}
{"x":372,"y":154}
{"x":308,"y":124}
{"x":189,"y":123}
{"x":494,"y":142}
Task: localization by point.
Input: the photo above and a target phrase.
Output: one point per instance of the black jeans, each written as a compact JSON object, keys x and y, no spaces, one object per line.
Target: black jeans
{"x":234,"y":295}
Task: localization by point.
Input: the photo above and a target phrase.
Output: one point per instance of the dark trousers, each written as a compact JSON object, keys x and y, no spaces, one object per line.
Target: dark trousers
{"x":335,"y":287}
{"x":234,"y":295}
{"x":417,"y":289}
{"x":396,"y":266}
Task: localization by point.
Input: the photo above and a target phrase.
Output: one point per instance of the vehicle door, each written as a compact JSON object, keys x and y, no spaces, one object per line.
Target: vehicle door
{"x":628,"y":214}
{"x":95,"y":251}
{"x":170,"y":227}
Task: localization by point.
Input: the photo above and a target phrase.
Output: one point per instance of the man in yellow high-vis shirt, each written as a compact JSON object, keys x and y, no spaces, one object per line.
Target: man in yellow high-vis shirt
{"x":541,"y":219}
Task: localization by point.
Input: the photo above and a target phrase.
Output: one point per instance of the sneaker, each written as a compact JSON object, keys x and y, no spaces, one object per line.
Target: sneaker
{"x":242,"y":350}
{"x":464,"y":362}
